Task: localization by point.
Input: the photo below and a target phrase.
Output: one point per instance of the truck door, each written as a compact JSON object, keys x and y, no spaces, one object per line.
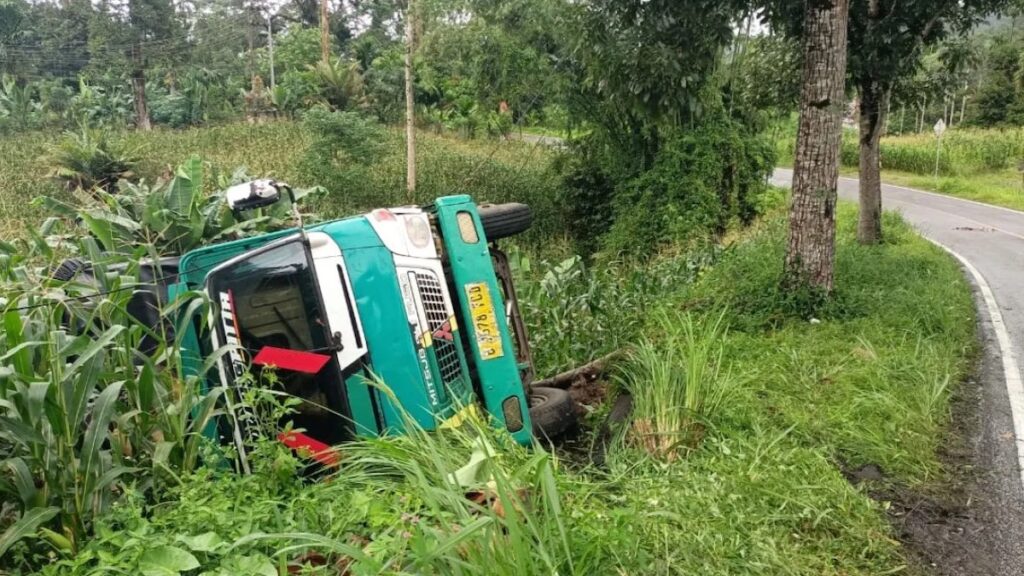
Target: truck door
{"x":268,"y":308}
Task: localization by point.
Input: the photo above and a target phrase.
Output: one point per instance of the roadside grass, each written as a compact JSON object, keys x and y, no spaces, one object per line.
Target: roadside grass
{"x":761,"y":493}
{"x":1004,"y":188}
{"x":869,"y":377}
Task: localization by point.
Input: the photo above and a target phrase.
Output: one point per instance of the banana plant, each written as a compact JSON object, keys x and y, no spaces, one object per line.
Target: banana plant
{"x":173,"y":216}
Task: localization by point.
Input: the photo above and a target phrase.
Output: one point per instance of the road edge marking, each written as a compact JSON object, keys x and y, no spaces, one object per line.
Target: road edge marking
{"x":1011,"y":371}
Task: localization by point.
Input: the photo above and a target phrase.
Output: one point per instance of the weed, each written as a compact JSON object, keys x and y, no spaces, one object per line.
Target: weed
{"x":677,"y":384}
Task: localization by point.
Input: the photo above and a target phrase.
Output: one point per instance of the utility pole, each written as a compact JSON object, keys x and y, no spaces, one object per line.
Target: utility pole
{"x":251,"y":34}
{"x":410,"y":113}
{"x":270,"y":47}
{"x":325,"y":39}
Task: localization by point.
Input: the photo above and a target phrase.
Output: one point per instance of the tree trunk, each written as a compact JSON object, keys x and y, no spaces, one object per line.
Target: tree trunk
{"x":139,"y":90}
{"x":872,"y":119}
{"x":810,"y":250}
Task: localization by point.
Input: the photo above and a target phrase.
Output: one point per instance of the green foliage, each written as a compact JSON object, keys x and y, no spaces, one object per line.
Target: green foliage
{"x":346,"y":145}
{"x":577,"y":311}
{"x":81,"y":410}
{"x":172,"y":216}
{"x":699,"y":181}
{"x":340,"y":84}
{"x":678,"y":384}
{"x":655,"y":57}
{"x":19,"y":110}
{"x":92,"y":159}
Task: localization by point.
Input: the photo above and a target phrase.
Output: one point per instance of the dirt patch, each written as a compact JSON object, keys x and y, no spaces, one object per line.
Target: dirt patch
{"x":589,"y":392}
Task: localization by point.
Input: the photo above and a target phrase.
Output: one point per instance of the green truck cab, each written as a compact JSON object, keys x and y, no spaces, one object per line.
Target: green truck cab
{"x":374,"y":322}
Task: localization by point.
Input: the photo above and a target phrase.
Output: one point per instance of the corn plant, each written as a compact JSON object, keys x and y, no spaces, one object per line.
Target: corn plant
{"x":677,"y":384}
{"x":82,"y":411}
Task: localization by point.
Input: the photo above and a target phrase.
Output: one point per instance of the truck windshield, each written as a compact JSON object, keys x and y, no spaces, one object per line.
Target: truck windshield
{"x":269,"y":306}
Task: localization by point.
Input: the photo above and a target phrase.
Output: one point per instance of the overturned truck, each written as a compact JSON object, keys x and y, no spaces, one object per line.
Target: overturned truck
{"x":419,"y":299}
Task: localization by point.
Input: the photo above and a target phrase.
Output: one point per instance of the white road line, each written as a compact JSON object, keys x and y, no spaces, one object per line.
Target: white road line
{"x":1011,"y":372}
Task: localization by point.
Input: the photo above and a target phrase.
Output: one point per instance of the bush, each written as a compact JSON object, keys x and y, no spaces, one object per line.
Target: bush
{"x":346,"y":145}
{"x":92,"y":159}
{"x":700,"y":181}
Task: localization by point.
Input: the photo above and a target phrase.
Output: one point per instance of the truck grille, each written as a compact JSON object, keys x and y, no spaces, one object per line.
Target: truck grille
{"x":432,"y":296}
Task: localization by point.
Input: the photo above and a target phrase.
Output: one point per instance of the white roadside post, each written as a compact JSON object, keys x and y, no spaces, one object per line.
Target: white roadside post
{"x":940,"y":129}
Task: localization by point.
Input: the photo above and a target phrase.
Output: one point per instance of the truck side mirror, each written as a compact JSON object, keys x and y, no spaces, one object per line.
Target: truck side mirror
{"x":252,"y":195}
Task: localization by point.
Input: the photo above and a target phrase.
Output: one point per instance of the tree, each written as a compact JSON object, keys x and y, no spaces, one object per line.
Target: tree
{"x":149,"y":31}
{"x":887,"y":38}
{"x":810,"y":250}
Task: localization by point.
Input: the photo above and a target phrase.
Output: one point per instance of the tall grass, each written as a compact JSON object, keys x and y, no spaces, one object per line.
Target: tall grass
{"x":678,"y":383}
{"x":965,"y":151}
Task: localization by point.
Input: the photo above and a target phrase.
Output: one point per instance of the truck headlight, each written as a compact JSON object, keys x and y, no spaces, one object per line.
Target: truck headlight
{"x":418,"y":230}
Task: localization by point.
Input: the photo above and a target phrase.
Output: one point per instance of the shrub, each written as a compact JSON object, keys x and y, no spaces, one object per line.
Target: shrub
{"x":700,"y":181}
{"x":677,"y":384}
{"x":346,"y":145}
{"x":92,"y":159}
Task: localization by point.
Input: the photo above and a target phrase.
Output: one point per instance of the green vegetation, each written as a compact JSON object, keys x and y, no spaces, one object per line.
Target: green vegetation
{"x":974,"y":164}
{"x":655,"y":234}
{"x":760,"y":488}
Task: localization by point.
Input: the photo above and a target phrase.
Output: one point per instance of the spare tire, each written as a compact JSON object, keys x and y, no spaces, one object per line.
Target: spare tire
{"x":552,"y":411}
{"x":504,"y":220}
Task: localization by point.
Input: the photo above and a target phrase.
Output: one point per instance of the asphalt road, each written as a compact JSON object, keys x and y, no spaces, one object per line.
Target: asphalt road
{"x":991,"y":241}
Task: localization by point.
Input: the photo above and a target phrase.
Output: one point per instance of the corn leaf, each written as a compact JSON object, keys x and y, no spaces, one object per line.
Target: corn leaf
{"x":26,"y":526}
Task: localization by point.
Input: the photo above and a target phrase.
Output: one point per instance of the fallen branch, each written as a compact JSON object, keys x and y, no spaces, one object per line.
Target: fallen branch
{"x":588,"y":371}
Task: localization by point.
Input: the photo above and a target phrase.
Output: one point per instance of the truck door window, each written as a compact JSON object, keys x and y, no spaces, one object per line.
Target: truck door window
{"x":275,"y":302}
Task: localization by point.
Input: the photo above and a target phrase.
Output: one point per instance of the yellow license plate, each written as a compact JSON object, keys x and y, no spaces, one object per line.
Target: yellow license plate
{"x":485,"y":323}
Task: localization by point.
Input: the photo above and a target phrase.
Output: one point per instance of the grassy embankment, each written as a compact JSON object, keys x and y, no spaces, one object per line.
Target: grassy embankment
{"x":761,"y":491}
{"x":979,"y":165}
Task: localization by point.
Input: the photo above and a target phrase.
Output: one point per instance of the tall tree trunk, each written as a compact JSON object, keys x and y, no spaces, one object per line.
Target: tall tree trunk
{"x":139,"y":89}
{"x":810,"y":250}
{"x":872,"y":118}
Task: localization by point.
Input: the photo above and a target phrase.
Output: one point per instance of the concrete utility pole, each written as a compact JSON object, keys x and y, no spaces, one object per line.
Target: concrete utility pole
{"x":410,"y":115}
{"x":325,"y":38}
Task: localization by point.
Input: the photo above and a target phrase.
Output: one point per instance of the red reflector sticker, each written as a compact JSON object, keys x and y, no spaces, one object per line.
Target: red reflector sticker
{"x":294,"y":360}
{"x":310,"y":447}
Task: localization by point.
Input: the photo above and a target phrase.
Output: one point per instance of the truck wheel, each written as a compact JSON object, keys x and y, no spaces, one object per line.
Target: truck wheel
{"x":67,"y":270}
{"x":504,"y":220}
{"x":552,"y":411}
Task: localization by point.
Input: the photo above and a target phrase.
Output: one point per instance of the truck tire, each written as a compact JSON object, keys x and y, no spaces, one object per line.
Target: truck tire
{"x":67,"y":270}
{"x":552,"y":411}
{"x":504,"y":220}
